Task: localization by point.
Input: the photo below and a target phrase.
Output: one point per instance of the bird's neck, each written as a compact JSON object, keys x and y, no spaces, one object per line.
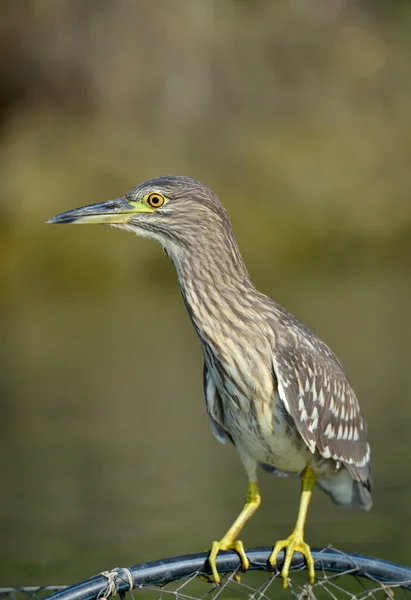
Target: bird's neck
{"x":213,"y":282}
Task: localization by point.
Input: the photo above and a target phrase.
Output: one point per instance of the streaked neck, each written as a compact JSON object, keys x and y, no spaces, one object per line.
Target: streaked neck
{"x":212,"y":280}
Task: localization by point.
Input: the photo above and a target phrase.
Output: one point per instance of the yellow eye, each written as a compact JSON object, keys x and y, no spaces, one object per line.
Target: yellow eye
{"x":155,"y":200}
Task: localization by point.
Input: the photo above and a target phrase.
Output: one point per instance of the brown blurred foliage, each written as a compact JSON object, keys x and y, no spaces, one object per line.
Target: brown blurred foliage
{"x":297,"y":113}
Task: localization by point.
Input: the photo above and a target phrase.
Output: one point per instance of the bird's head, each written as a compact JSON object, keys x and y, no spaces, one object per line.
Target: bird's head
{"x":173,"y":210}
{"x":180,"y":213}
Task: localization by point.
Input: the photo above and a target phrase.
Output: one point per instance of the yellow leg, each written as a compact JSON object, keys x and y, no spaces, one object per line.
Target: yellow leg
{"x":229,"y":542}
{"x":295,"y":542}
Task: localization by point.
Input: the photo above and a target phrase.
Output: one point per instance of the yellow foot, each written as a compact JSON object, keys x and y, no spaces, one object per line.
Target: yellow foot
{"x":294,"y":543}
{"x":222,"y":545}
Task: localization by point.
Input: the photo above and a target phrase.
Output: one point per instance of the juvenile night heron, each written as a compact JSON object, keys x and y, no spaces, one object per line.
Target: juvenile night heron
{"x":272,"y":388}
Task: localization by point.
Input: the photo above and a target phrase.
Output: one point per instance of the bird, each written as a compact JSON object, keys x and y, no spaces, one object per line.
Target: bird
{"x":272,"y":387}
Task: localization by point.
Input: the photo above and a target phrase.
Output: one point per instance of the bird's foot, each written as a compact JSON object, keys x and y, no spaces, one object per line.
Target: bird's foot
{"x":294,"y":543}
{"x":227,"y":544}
{"x":229,"y":541}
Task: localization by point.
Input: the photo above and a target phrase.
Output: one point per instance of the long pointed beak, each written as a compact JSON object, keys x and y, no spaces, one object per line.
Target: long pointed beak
{"x":119,"y":210}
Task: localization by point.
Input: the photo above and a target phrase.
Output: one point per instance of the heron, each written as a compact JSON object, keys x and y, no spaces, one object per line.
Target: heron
{"x":272,"y":387}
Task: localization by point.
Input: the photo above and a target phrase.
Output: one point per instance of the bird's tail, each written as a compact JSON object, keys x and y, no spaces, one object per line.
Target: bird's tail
{"x":346,"y":491}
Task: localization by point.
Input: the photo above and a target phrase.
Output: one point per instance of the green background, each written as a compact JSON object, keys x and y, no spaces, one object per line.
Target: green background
{"x":298,"y":114}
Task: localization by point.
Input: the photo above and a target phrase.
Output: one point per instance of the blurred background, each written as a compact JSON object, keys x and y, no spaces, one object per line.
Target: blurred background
{"x":298,"y":114}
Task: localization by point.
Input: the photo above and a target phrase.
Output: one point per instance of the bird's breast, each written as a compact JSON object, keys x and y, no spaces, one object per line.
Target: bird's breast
{"x":254,"y":415}
{"x":264,"y":433}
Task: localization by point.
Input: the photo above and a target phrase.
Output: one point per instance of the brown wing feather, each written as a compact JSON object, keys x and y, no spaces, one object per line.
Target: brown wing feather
{"x":214,"y":407}
{"x":319,"y":398}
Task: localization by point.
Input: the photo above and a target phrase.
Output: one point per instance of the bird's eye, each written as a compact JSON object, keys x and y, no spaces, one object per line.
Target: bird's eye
{"x":155,"y":200}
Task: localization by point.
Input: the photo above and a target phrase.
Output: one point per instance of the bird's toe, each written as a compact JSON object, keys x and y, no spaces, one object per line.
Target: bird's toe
{"x":235,"y":545}
{"x":294,"y":543}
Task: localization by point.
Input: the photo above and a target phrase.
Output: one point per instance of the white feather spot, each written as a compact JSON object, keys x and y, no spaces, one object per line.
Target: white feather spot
{"x":283,"y":395}
{"x":326,"y":452}
{"x":321,"y":398}
{"x":365,"y":459}
{"x":313,"y":425}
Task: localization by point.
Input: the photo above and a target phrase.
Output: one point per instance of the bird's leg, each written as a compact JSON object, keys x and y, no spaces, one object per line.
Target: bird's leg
{"x":228,"y":541}
{"x":295,"y":542}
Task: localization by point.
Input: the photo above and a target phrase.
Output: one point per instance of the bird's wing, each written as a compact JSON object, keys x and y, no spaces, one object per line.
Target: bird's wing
{"x":214,"y":408}
{"x":318,"y":396}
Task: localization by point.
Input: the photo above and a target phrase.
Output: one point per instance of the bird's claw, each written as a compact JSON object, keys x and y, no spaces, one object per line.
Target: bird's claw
{"x":294,"y":543}
{"x":237,"y":546}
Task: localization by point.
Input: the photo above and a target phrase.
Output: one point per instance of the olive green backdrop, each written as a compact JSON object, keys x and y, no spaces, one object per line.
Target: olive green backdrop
{"x":298,"y":114}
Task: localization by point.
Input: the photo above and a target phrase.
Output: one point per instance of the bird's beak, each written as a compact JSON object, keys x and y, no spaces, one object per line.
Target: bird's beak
{"x":110,"y":212}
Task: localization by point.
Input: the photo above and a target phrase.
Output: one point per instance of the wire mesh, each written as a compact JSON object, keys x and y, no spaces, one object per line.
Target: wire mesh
{"x":30,"y":592}
{"x":345,"y":576}
{"x":338,"y":576}
{"x":264,"y":586}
